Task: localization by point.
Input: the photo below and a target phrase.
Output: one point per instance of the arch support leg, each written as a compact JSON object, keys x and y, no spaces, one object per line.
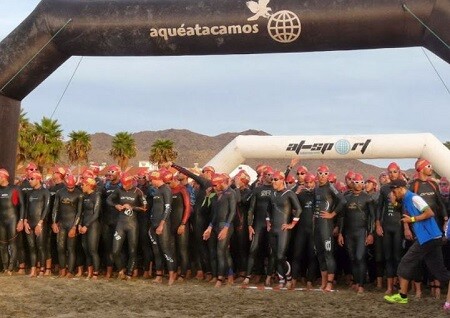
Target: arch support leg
{"x":9,"y":129}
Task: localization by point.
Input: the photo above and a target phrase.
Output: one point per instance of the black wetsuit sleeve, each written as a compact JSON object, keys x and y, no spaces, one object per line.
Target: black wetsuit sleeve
{"x":204,"y":183}
{"x":46,"y":205}
{"x":97,"y":205}
{"x":21,"y":204}
{"x":79,"y":210}
{"x":55,"y":207}
{"x":113,"y":198}
{"x":251,"y":210}
{"x":288,"y":170}
{"x":339,"y":198}
{"x":380,"y":207}
{"x":231,"y":207}
{"x":296,"y":207}
{"x":440,"y":201}
{"x":371,"y":217}
{"x":167,"y":199}
{"x":340,"y":220}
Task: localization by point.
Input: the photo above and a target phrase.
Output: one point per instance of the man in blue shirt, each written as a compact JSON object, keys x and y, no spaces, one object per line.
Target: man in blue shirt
{"x":427,"y":246}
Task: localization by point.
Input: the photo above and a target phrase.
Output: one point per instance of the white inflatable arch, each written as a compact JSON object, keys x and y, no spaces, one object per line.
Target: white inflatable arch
{"x":423,"y":145}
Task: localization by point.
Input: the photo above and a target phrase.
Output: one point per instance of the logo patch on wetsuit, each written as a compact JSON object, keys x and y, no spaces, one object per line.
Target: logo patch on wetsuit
{"x":169,"y":259}
{"x":117,"y":236}
{"x":328,"y":245}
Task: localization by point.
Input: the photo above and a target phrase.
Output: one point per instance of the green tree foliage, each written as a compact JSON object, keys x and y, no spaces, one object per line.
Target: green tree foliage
{"x":25,"y":140}
{"x":78,"y":146}
{"x":162,"y":151}
{"x":123,"y":148}
{"x":47,"y":143}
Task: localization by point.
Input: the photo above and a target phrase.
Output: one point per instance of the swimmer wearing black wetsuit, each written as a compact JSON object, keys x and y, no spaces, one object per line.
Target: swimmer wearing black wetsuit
{"x":220,"y":229}
{"x":36,"y":209}
{"x":66,"y":216}
{"x":109,"y":217}
{"x":356,"y":229}
{"x":390,"y":228}
{"x":163,"y":242}
{"x":11,"y":209}
{"x":89,"y":227}
{"x":283,"y":214}
{"x":257,"y":226}
{"x":127,"y":200}
{"x":303,"y":235}
{"x":328,"y":203}
{"x":200,"y":218}
{"x":179,"y":217}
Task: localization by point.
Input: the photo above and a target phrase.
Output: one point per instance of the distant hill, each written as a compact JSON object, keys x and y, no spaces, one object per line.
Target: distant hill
{"x":197,"y":148}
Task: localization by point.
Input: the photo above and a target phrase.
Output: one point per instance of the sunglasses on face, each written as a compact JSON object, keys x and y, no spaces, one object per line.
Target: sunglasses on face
{"x":322,"y":173}
{"x":292,"y":182}
{"x":301,"y":173}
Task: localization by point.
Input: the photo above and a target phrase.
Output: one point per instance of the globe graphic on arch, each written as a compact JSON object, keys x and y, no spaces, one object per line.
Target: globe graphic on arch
{"x":284,"y":26}
{"x":342,"y":147}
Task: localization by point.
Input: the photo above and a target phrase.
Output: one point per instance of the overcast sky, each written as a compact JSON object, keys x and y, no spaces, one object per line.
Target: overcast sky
{"x":323,"y":93}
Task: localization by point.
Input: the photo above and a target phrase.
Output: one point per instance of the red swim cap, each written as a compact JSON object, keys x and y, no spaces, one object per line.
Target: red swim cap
{"x":421,"y":163}
{"x":323,"y":168}
{"x":70,"y":181}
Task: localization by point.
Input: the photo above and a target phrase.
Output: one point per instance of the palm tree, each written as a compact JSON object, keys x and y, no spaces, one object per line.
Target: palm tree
{"x":78,"y":147}
{"x":47,"y":143}
{"x":162,"y":151}
{"x":123,"y":148}
{"x":25,"y":139}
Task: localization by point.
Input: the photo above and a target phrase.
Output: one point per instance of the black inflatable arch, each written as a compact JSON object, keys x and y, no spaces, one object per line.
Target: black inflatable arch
{"x":59,"y":29}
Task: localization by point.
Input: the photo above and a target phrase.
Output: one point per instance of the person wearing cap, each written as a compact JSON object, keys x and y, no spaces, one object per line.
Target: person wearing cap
{"x":12,"y":214}
{"x":239,"y":240}
{"x":283,"y":213}
{"x":66,"y":215}
{"x":109,"y":217}
{"x":37,"y":207}
{"x":388,"y":226}
{"x":219,"y":231}
{"x":257,"y":227}
{"x":349,"y":176}
{"x":95,"y":168}
{"x":201,"y":217}
{"x":356,"y":228}
{"x":127,"y":201}
{"x":426,"y":247}
{"x":89,"y":227}
{"x":259,"y":176}
{"x":375,"y":258}
{"x":428,"y":190}
{"x":163,"y":242}
{"x":290,"y":182}
{"x":144,"y":244}
{"x":328,"y":203}
{"x":302,"y":171}
{"x":383,"y":178}
{"x":303,"y":237}
{"x":51,"y":250}
{"x":179,"y":217}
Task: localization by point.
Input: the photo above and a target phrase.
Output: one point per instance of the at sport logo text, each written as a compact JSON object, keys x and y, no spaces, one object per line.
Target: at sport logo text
{"x":341,"y":146}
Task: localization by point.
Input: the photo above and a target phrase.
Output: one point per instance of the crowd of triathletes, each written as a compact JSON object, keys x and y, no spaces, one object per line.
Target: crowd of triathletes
{"x":292,"y":229}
